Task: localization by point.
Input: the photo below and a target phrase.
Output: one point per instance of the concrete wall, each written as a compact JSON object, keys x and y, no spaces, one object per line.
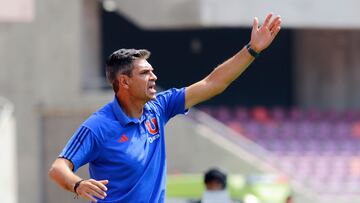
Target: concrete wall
{"x":210,"y":13}
{"x":42,"y":64}
{"x":327,"y":68}
{"x":54,"y":140}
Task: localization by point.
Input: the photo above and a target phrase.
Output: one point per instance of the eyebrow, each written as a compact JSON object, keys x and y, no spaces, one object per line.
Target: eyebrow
{"x":146,"y":70}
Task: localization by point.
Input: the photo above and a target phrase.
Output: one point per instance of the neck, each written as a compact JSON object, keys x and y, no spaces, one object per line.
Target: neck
{"x":131,"y":107}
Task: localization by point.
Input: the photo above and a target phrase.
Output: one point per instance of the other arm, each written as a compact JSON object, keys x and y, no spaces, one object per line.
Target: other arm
{"x":61,"y":172}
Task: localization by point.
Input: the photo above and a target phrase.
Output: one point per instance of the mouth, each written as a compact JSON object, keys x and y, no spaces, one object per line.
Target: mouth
{"x":152,"y":88}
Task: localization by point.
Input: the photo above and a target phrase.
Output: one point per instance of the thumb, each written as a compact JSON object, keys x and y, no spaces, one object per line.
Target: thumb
{"x":255,"y":24}
{"x":105,"y":182}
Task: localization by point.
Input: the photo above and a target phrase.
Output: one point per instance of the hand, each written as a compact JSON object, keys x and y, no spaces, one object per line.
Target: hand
{"x":90,"y":188}
{"x":261,"y":37}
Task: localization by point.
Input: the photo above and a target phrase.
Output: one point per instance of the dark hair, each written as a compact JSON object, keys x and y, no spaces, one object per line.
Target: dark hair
{"x":215,"y":175}
{"x":121,"y":61}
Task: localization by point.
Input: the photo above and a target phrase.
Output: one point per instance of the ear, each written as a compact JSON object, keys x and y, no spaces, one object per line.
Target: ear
{"x":123,"y":81}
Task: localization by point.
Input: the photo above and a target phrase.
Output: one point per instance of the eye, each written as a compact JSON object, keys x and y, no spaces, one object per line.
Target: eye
{"x":146,"y":72}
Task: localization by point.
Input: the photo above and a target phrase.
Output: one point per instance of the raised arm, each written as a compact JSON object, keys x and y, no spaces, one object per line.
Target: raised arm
{"x":221,"y":77}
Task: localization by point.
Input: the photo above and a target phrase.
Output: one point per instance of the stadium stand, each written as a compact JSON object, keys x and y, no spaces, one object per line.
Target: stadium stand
{"x":320,"y":148}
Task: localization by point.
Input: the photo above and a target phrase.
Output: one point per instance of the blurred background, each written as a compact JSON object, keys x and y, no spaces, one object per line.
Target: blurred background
{"x":289,"y":126}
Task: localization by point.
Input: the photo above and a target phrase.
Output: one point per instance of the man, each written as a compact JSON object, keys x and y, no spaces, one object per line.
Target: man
{"x":215,"y":185}
{"x":289,"y":199}
{"x":215,"y":180}
{"x":123,"y":142}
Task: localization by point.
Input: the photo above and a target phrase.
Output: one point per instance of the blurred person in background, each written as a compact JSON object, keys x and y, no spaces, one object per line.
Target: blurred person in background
{"x":123,"y":142}
{"x":215,"y":188}
{"x":289,"y":199}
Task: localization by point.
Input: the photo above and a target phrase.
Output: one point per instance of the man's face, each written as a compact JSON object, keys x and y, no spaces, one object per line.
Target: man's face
{"x":142,"y":81}
{"x":214,"y":186}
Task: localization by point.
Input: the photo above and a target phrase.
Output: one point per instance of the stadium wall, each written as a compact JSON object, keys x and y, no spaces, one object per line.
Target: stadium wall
{"x":326,"y":68}
{"x":47,"y":62}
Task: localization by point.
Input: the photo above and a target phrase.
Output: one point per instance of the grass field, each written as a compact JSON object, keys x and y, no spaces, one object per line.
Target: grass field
{"x":268,"y":188}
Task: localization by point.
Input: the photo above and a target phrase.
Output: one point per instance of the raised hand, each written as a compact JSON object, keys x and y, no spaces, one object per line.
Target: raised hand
{"x":91,"y":188}
{"x":262,"y":36}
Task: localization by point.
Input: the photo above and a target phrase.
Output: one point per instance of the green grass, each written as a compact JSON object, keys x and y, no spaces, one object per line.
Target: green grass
{"x":191,"y":186}
{"x":184,"y":186}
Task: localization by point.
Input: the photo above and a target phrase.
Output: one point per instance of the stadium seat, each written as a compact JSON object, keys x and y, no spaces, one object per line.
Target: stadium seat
{"x":314,"y":146}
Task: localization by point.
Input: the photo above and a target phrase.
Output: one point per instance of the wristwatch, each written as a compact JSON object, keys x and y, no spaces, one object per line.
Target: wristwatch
{"x":251,"y":51}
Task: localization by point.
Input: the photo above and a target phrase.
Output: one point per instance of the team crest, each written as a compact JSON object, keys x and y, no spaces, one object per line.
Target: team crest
{"x":152,"y":126}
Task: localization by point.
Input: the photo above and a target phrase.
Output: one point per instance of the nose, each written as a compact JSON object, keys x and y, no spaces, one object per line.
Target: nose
{"x":153,"y":76}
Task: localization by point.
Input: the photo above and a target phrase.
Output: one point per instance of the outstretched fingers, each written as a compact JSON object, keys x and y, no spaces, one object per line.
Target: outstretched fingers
{"x":276,"y":27}
{"x":275,"y":22}
{"x":262,"y":37}
{"x":255,"y":24}
{"x":276,"y":31}
{"x":267,"y":20}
